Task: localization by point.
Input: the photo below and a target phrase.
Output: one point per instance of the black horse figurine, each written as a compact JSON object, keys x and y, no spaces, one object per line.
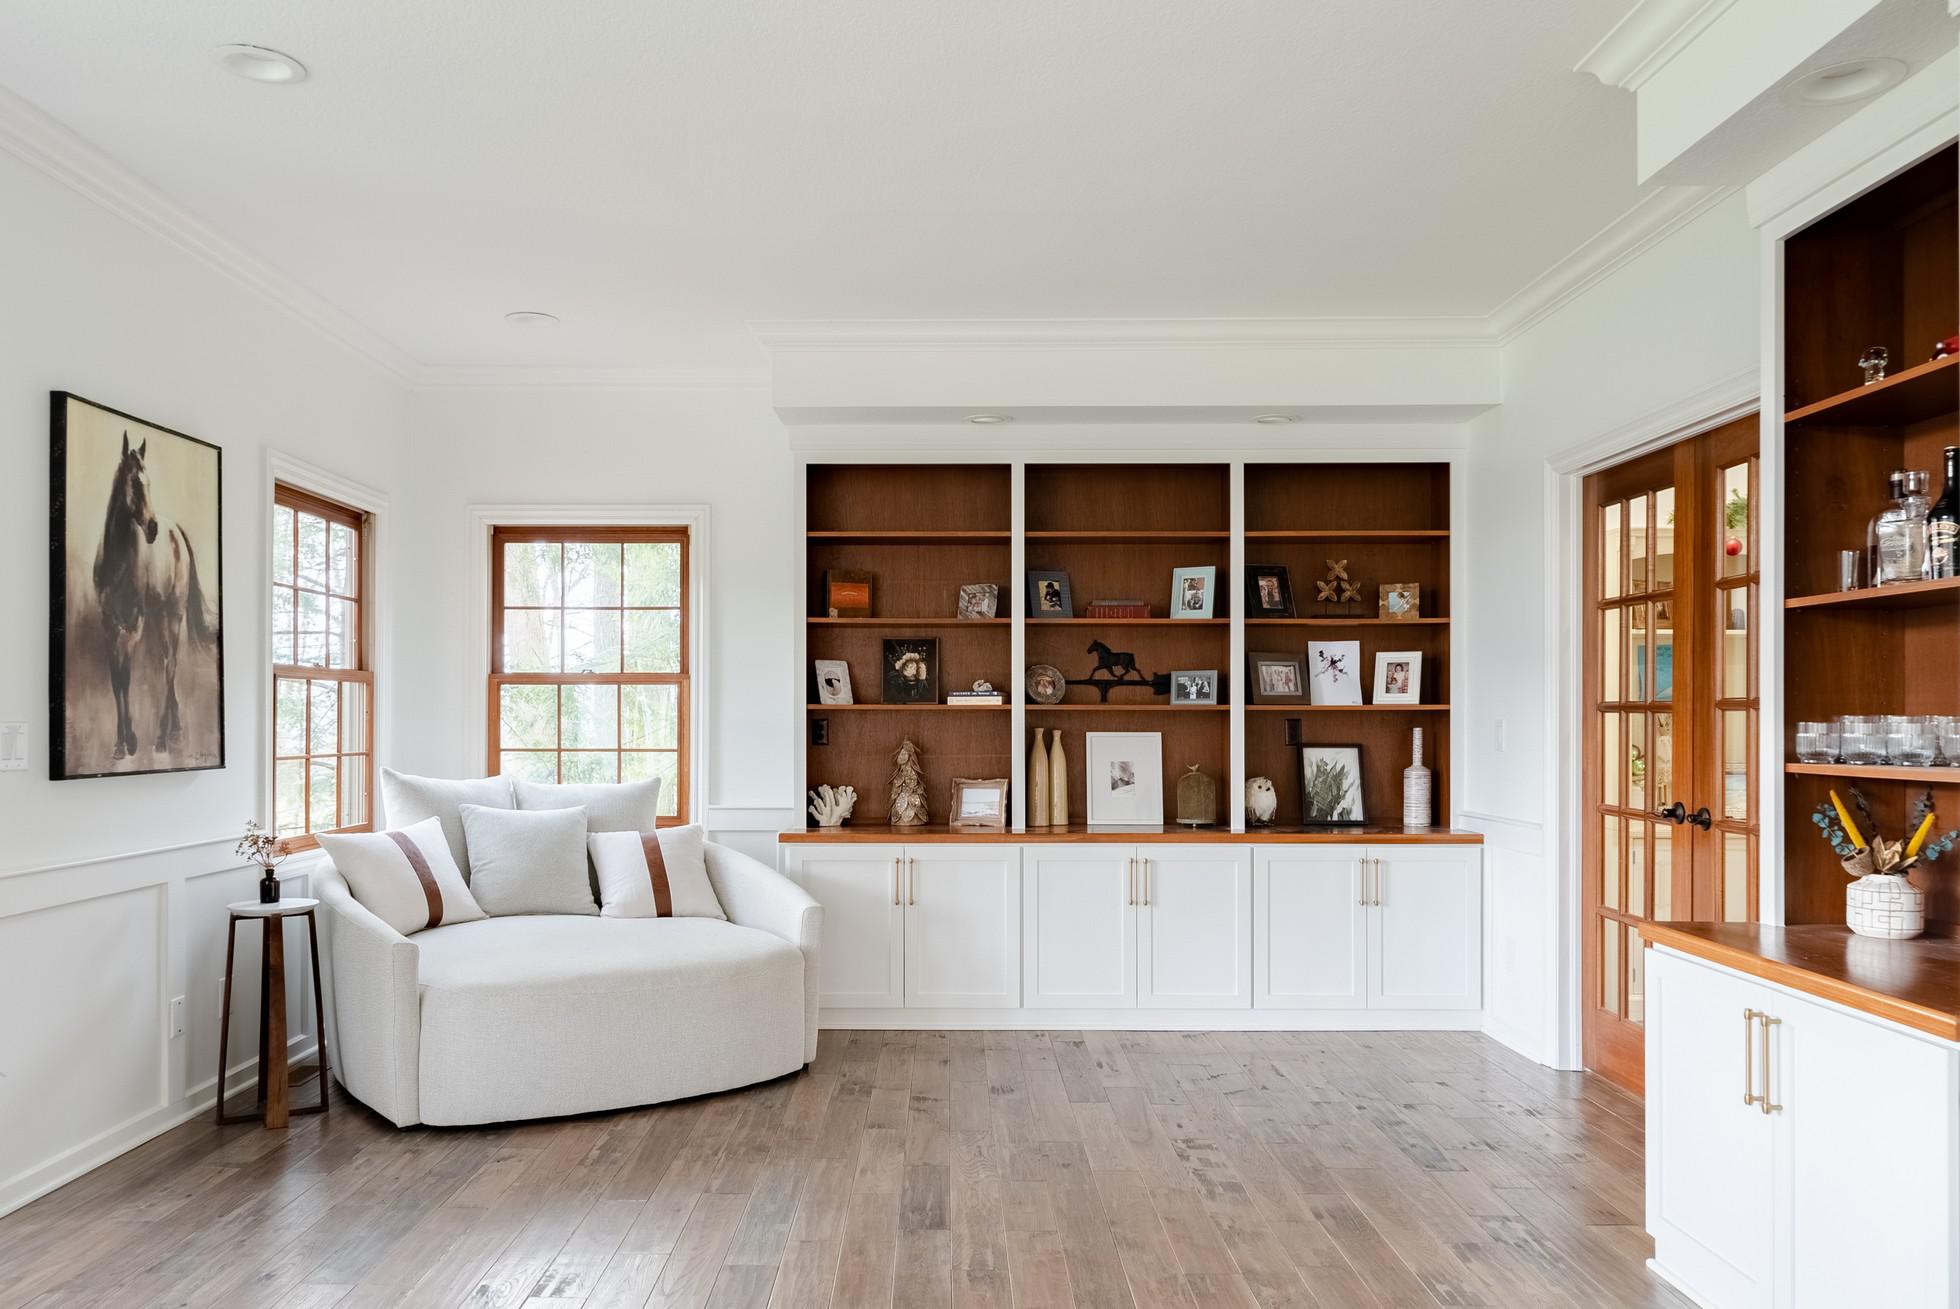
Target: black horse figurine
{"x":1120,"y":664}
{"x":146,"y":578}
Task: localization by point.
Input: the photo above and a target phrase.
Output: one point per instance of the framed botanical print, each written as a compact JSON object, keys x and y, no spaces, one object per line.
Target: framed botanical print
{"x":136,"y":674}
{"x":1330,"y":781}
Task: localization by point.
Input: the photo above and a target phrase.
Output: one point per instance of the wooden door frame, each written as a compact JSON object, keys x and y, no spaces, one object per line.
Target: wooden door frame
{"x":1723,"y":402}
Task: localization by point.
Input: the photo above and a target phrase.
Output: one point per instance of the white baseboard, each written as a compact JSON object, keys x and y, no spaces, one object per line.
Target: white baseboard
{"x":53,"y":1174}
{"x":1152,"y":1020}
{"x":1521,"y":1040}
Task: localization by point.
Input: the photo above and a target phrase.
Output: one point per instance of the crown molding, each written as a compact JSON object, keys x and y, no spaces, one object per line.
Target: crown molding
{"x":1657,"y":216}
{"x":492,"y":377}
{"x":1108,"y":333}
{"x":43,"y":143}
{"x":1652,"y":33}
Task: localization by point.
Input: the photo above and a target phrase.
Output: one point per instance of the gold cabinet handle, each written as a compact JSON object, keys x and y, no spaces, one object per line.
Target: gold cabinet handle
{"x":1362,"y":869}
{"x":1130,"y":885}
{"x":911,"y":881}
{"x":1146,"y":880}
{"x":895,"y":862}
{"x":1380,"y":882}
{"x":1763,"y":1099}
{"x":1749,"y":1017}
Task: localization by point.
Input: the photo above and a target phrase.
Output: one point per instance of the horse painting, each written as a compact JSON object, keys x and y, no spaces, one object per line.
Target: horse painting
{"x":140,"y":681}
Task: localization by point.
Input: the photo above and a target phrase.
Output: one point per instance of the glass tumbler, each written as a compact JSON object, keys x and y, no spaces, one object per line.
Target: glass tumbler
{"x":1817,"y":743}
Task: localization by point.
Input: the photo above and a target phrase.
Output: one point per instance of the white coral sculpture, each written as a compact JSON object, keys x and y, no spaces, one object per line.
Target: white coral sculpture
{"x":831,"y":805}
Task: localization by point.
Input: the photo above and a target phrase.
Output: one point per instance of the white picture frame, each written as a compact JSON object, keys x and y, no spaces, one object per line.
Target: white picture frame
{"x":833,"y":681}
{"x":1398,"y":677}
{"x":1334,"y":672}
{"x":1194,"y":591}
{"x":1125,"y":778}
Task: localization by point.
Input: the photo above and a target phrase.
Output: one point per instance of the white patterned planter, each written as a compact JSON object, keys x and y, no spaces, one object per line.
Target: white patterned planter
{"x":1885,"y":905}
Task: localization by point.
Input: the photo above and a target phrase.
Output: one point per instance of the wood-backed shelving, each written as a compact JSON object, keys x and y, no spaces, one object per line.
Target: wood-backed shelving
{"x":1163,"y":834}
{"x":1881,"y":270}
{"x":1347,"y":708}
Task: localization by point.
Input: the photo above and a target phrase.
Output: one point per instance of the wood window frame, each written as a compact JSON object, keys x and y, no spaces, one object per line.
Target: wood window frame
{"x":361,"y":523}
{"x":638,"y":534}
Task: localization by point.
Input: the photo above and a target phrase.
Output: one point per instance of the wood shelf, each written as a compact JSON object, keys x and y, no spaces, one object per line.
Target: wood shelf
{"x":1878,"y":773}
{"x":1910,"y":396}
{"x":1129,"y":622}
{"x":909,"y":538}
{"x":1143,"y":707}
{"x":978,"y":624}
{"x":1354,"y":536}
{"x":1347,"y":622}
{"x":908,"y":708}
{"x":1080,"y":833}
{"x":1904,"y":595}
{"x":1347,"y":708}
{"x":1126,"y":537}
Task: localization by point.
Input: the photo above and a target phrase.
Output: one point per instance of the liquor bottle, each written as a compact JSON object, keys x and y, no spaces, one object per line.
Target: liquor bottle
{"x":1898,"y":535}
{"x":1943,"y":523}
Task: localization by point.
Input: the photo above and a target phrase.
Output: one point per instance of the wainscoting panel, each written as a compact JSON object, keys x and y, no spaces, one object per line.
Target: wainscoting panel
{"x":1520,"y":935}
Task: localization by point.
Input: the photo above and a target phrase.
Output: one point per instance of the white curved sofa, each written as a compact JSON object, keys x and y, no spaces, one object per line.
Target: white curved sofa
{"x":534,"y":1016}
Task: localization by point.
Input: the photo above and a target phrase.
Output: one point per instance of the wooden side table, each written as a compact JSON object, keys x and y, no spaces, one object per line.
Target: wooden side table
{"x":275,"y":1096}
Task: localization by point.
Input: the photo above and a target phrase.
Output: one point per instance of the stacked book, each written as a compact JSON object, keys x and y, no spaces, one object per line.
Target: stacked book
{"x":974,"y":698}
{"x":1118,"y":609}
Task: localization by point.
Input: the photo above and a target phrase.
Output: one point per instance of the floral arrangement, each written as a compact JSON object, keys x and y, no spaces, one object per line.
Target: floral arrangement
{"x":260,"y":846}
{"x":1860,"y":857}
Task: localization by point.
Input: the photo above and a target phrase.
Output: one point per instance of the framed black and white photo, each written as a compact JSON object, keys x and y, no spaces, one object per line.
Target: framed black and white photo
{"x":833,"y":681}
{"x":1194,"y":686}
{"x":1334,"y":672}
{"x":911,"y":670}
{"x":1330,"y":781}
{"x":979,"y":803}
{"x":1125,"y":778}
{"x":136,"y":674}
{"x":1049,"y":596}
{"x":1268,"y":591}
{"x":1398,"y":677}
{"x":979,"y":600}
{"x":1276,"y":678}
{"x":1192,"y":591}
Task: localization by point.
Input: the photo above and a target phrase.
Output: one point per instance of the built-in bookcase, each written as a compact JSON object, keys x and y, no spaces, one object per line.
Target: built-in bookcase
{"x":1882,"y":270}
{"x":1119,"y":530}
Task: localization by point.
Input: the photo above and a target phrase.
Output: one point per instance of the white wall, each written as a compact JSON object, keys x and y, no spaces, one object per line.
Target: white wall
{"x":112,"y":890}
{"x":722,"y":448}
{"x":1678,"y":322}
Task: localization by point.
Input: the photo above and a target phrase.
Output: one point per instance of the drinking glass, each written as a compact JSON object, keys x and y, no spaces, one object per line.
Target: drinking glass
{"x":1817,"y":743}
{"x":1911,"y":744}
{"x":1950,"y":747}
{"x":1861,"y":740}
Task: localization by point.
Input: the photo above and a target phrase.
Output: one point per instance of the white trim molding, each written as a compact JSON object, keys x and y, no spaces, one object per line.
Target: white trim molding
{"x":694,"y":517}
{"x":1642,"y":43}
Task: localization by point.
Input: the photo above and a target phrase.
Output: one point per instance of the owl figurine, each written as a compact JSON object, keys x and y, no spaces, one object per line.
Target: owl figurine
{"x":1261,"y":801}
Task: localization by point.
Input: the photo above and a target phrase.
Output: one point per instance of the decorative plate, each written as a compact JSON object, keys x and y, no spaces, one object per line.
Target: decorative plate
{"x":1046,"y":685}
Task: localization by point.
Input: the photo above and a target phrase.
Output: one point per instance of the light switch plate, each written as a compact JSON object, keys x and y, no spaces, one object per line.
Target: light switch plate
{"x":13,"y":747}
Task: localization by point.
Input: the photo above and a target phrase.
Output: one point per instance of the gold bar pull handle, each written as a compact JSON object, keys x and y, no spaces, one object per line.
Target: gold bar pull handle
{"x":1763,"y":1099}
{"x":895,"y":899}
{"x":1146,"y":880}
{"x":1130,"y":870}
{"x":1361,"y":869}
{"x":1381,"y":883}
{"x":911,"y":881}
{"x":1749,"y":1017}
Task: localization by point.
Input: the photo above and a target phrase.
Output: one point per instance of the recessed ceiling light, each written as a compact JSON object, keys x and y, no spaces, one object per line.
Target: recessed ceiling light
{"x":531,"y":318}
{"x":255,"y":63}
{"x":1272,"y":420}
{"x":988,"y":420}
{"x":1839,"y":84}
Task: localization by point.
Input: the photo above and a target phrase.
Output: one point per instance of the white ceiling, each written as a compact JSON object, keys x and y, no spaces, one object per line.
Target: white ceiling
{"x":658,"y":174}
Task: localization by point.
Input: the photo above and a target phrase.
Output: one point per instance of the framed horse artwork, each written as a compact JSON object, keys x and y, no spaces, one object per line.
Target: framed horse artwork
{"x":136,"y":666}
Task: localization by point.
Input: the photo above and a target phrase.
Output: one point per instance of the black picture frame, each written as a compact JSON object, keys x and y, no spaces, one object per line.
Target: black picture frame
{"x":901,"y":686}
{"x":67,"y":632}
{"x":1268,"y":591}
{"x":1049,"y":595}
{"x":1348,"y":757}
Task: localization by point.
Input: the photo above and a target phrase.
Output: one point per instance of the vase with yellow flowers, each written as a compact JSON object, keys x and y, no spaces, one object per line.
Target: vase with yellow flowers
{"x":1882,"y":902}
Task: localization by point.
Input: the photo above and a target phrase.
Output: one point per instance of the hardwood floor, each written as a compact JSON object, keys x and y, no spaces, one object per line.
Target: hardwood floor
{"x":1025,"y":1169}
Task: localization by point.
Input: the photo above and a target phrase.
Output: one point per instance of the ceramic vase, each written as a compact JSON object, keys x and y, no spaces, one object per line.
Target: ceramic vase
{"x":1415,"y":789}
{"x":1058,"y":783}
{"x":1038,"y":810}
{"x":1885,"y":905}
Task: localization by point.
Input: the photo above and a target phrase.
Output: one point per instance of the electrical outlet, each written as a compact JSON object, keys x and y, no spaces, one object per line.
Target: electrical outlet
{"x":13,"y":747}
{"x":176,"y":1017}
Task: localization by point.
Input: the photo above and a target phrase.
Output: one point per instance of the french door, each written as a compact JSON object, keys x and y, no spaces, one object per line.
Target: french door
{"x":1669,"y":781}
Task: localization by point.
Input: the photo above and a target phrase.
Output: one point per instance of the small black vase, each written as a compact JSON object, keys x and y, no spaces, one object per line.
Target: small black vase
{"x":268,"y":888}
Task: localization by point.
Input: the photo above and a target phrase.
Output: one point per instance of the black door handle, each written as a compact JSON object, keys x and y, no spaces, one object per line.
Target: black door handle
{"x":1677,"y":813}
{"x":1701,"y":818}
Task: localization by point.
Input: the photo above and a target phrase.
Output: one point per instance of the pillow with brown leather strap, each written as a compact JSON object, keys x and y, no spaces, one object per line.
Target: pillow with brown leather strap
{"x":405,"y":877}
{"x":660,"y":874}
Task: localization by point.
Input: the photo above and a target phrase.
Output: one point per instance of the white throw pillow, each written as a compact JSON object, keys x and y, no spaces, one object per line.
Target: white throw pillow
{"x":407,"y":799}
{"x":660,"y":874}
{"x":405,"y":876}
{"x":528,"y":861}
{"x":609,"y":806}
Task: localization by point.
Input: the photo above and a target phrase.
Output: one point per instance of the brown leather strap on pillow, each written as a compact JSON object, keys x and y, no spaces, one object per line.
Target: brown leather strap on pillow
{"x":663,"y":895}
{"x":430,"y":891}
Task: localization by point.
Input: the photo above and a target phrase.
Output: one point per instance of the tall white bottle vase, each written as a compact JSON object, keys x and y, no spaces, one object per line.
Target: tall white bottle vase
{"x":1038,"y":811}
{"x":1058,"y":783}
{"x":1415,"y":789}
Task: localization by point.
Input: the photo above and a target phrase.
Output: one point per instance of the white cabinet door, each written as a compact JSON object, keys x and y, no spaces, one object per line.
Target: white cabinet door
{"x":1078,"y":927}
{"x":863,"y":960}
{"x":962,"y":926}
{"x":1426,"y":943}
{"x":1866,"y":1162}
{"x":1710,"y":1175}
{"x":1194,"y":927}
{"x":1310,"y":940}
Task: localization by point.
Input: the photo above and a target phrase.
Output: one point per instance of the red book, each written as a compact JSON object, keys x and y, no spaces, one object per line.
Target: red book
{"x":1118,"y":609}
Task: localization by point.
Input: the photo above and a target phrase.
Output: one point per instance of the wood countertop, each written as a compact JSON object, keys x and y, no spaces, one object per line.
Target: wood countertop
{"x":1913,"y":983}
{"x":1079,"y":834}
